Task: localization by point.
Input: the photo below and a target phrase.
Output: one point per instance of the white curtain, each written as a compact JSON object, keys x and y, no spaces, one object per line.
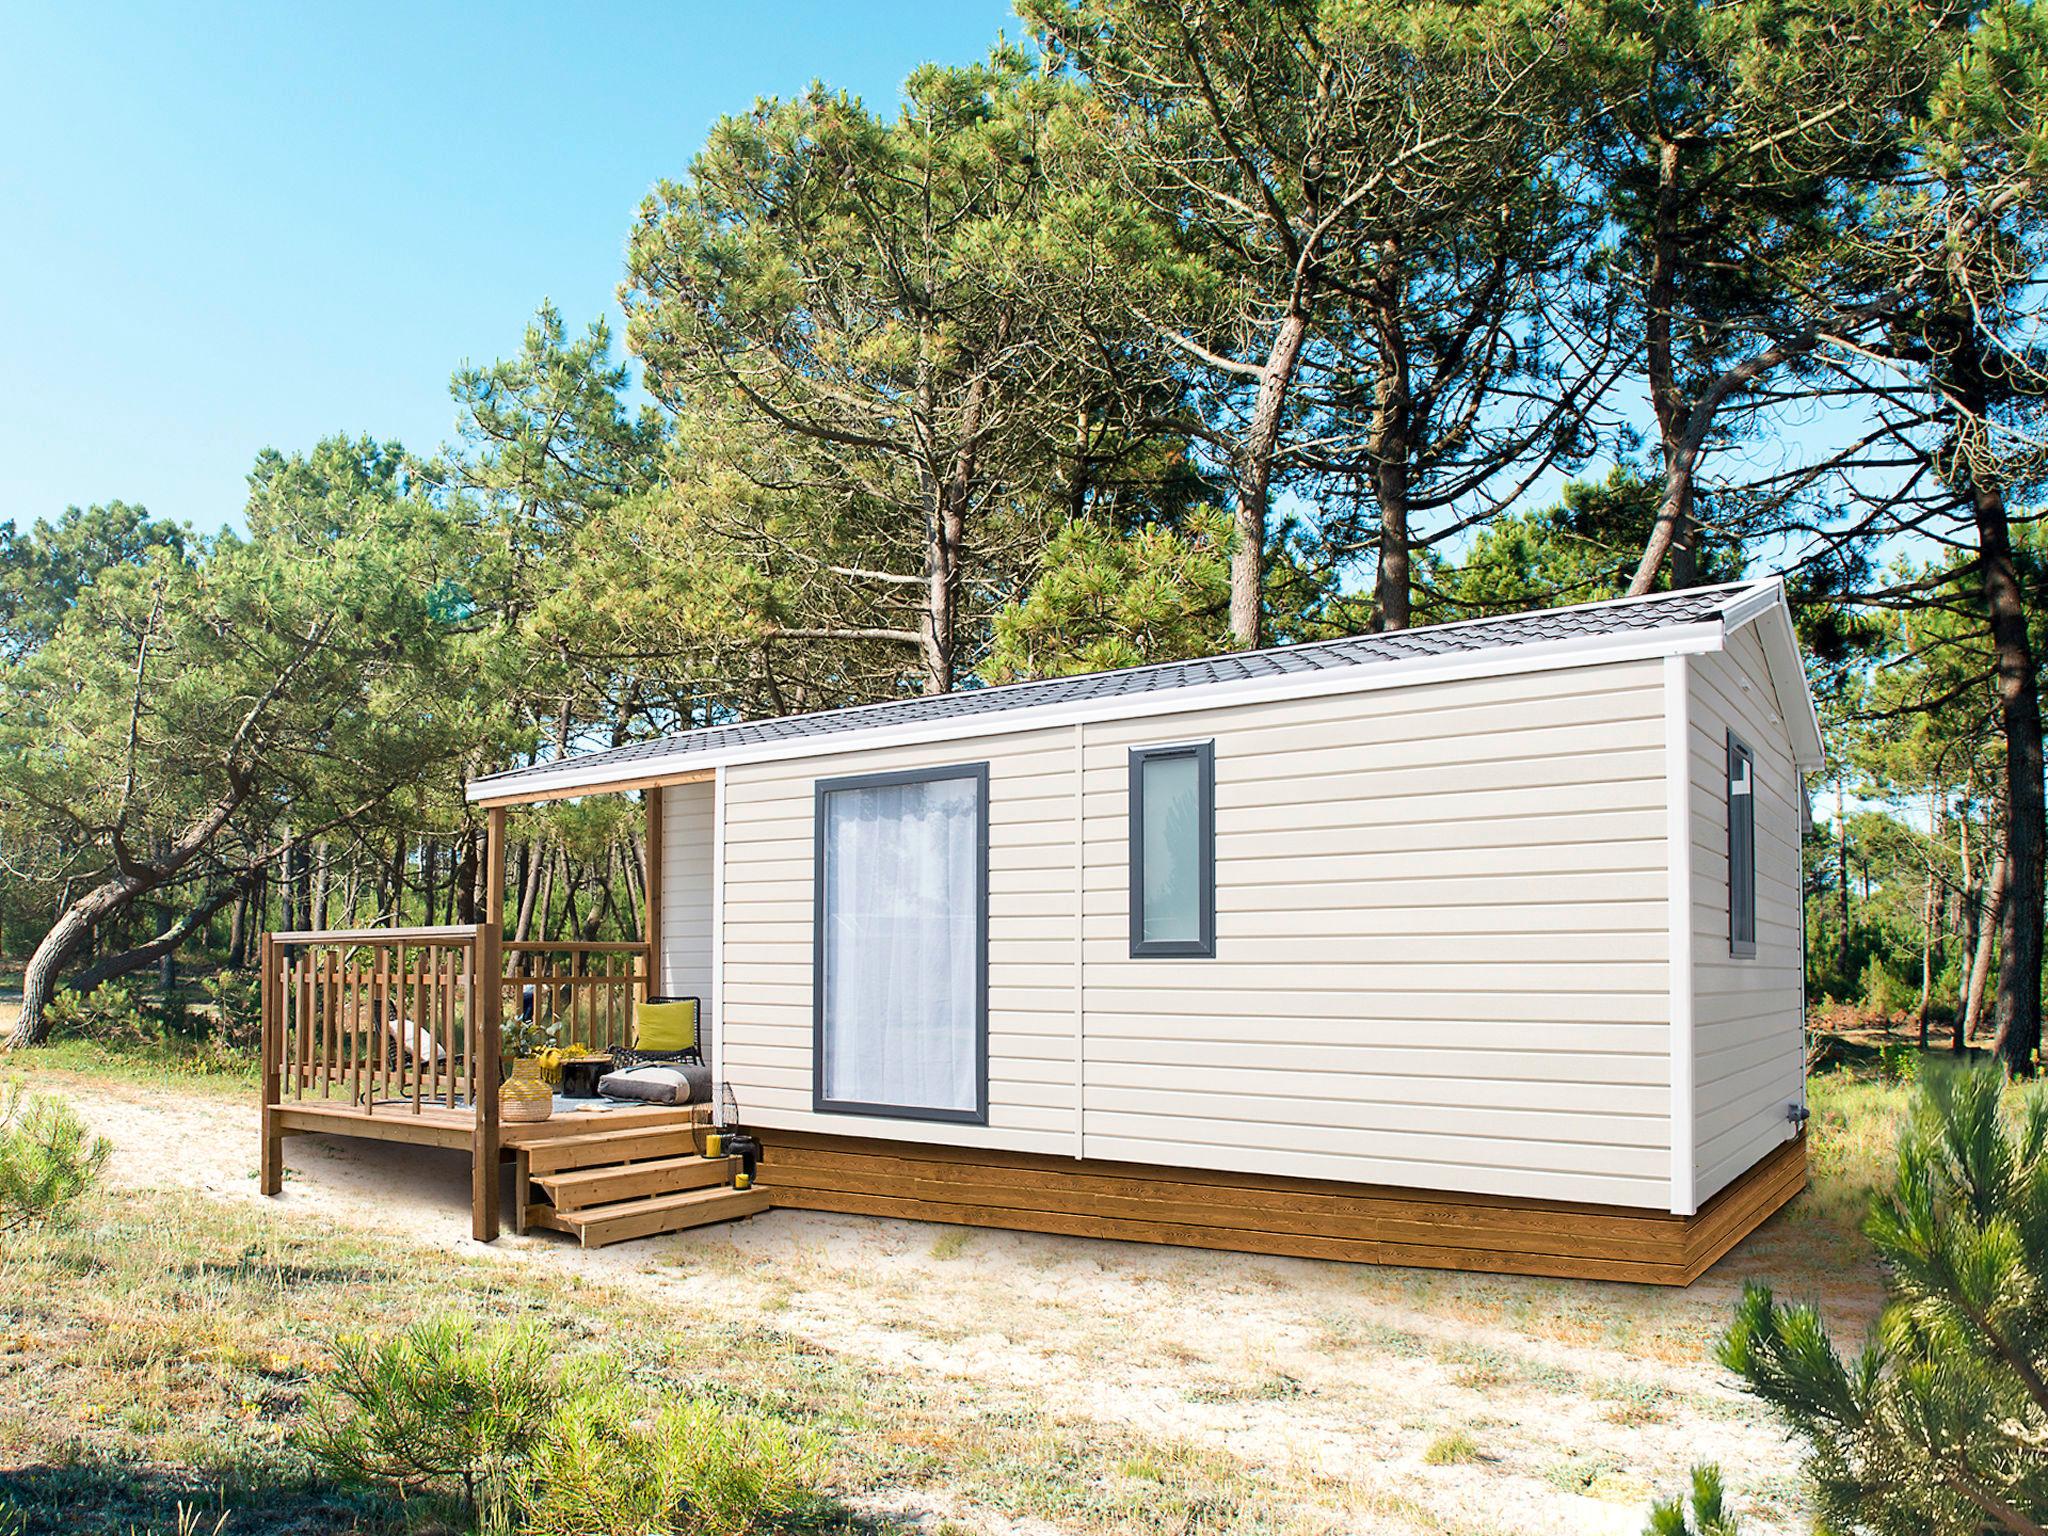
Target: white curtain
{"x":902,"y":944}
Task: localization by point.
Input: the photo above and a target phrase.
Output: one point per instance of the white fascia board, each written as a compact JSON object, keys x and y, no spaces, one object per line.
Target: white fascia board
{"x":1768,"y":609}
{"x":1544,"y":656}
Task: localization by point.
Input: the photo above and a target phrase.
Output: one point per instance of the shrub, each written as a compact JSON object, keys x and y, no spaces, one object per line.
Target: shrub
{"x":108,"y":1012}
{"x":1897,"y":1062}
{"x":694,"y":1469}
{"x":1936,"y":1429}
{"x":1708,"y":1512}
{"x":237,"y":1008}
{"x":47,"y":1159}
{"x":441,"y":1407}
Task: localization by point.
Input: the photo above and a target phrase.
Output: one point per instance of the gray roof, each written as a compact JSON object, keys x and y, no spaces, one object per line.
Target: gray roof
{"x":1623,"y":616}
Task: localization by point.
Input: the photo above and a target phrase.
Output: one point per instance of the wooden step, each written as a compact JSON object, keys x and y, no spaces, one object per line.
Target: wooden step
{"x":600,"y":1224}
{"x":614,"y":1182}
{"x":595,"y":1148}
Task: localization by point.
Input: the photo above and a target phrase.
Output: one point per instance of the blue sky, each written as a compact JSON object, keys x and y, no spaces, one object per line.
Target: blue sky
{"x":223,"y":229}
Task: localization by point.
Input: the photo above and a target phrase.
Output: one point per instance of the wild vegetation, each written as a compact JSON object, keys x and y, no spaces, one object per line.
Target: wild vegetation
{"x":1161,"y":329}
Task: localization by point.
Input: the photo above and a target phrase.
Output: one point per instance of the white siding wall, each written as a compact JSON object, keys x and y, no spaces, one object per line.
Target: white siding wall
{"x":1442,"y":926}
{"x":1441,"y":944}
{"x":1748,"y":1047}
{"x":686,"y":831}
{"x":767,"y":961}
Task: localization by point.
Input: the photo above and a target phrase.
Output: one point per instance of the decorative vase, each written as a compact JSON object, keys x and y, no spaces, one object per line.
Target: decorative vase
{"x":525,"y":1100}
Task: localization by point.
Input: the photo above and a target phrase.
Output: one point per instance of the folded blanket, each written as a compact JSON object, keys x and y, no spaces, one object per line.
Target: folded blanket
{"x":658,"y":1084}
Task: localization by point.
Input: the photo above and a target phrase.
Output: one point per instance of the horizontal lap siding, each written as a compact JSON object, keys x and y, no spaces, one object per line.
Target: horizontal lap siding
{"x":1442,"y":944}
{"x":1748,"y":1043}
{"x":767,"y":961}
{"x":686,"y":827}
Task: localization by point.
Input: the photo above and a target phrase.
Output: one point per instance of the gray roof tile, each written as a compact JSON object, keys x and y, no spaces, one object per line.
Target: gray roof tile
{"x":1623,"y":616}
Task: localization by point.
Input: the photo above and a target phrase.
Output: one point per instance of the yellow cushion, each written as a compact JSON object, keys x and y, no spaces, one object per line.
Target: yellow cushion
{"x":665,"y":1026}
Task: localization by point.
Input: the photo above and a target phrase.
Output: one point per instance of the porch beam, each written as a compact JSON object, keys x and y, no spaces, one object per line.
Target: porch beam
{"x":607,"y":787}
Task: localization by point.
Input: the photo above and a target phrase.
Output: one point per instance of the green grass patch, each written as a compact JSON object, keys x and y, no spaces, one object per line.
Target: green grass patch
{"x":165,"y":1062}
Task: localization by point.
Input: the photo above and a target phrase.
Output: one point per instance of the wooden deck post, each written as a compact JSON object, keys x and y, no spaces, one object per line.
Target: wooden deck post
{"x":487,"y":1012}
{"x":650,"y":932}
{"x":270,"y":1169}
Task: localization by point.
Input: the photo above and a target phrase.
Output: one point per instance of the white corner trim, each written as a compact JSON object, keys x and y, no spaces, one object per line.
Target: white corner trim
{"x":718,"y":929}
{"x":1506,"y":661}
{"x":1080,"y":940}
{"x":1678,"y":861}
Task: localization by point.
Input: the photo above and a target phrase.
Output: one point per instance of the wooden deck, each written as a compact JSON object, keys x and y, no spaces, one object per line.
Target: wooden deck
{"x":439,"y":1126}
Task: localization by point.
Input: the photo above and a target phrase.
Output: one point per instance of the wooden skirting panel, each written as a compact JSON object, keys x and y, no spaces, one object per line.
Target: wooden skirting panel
{"x":1250,"y":1213}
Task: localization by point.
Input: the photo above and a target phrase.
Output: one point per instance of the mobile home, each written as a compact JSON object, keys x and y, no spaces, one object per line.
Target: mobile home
{"x":1472,"y":946}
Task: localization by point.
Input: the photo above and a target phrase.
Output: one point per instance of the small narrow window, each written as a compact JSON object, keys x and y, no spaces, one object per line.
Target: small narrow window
{"x":1173,"y":850}
{"x":1741,"y":849}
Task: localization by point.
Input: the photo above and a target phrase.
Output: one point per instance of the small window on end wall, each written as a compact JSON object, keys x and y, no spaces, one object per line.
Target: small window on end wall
{"x":1173,"y":850}
{"x":1741,"y":848}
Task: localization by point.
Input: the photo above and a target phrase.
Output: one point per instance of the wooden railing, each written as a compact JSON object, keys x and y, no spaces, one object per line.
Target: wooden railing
{"x":385,"y":1020}
{"x":573,"y":991}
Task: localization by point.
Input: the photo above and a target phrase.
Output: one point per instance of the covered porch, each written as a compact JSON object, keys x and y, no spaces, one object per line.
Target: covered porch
{"x":405,"y":1034}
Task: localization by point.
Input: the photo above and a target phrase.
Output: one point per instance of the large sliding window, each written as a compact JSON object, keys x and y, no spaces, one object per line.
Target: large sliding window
{"x":1741,"y":848}
{"x":900,"y":969}
{"x":1173,"y":850}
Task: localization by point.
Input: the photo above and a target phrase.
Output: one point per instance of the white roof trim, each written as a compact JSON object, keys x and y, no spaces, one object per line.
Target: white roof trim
{"x":1538,"y":656}
{"x":1770,"y":611}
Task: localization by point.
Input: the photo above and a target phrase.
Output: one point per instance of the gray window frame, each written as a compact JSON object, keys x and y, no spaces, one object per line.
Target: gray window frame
{"x":1202,"y":947}
{"x":820,"y":1104}
{"x":1741,"y":850}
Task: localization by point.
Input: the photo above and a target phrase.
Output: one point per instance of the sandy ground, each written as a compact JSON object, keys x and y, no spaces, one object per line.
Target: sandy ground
{"x":1554,"y":1407}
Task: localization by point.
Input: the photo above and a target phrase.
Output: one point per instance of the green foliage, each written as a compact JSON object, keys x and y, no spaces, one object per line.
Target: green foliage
{"x":1937,"y":1427}
{"x":490,"y":1416}
{"x":1898,"y":1061}
{"x":442,"y":1407}
{"x":1581,"y":550}
{"x":1705,"y":1515}
{"x":47,"y":1158}
{"x":109,"y":1013}
{"x":237,"y":999}
{"x":696,"y":1468}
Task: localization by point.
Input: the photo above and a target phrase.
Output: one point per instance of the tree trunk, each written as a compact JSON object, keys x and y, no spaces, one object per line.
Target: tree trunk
{"x":1391,"y":444}
{"x":1672,"y":536}
{"x":238,"y":934}
{"x":162,"y":948}
{"x":430,"y":879}
{"x":2019,"y":707}
{"x":1255,"y":480}
{"x":1842,"y":877}
{"x":531,"y":863}
{"x":62,"y":944}
{"x":1980,"y":962}
{"x":316,"y":913}
{"x":466,"y":880}
{"x":1970,"y":896}
{"x":1926,"y":952}
{"x":74,"y":926}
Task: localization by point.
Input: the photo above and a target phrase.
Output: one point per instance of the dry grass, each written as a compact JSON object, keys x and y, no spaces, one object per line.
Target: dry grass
{"x":976,"y":1381}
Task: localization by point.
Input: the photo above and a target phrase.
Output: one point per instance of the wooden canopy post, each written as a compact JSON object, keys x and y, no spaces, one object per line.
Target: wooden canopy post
{"x":651,"y":933}
{"x":270,"y":1170}
{"x":487,"y":1016}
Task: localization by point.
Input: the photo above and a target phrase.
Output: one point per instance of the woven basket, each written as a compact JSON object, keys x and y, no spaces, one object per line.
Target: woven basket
{"x":525,"y":1100}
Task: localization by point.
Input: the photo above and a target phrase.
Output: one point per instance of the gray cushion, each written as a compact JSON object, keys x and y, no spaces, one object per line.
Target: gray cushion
{"x":658,"y":1084}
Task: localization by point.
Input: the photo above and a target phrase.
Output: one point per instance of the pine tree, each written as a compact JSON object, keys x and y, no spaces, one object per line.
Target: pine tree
{"x":1940,"y":1426}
